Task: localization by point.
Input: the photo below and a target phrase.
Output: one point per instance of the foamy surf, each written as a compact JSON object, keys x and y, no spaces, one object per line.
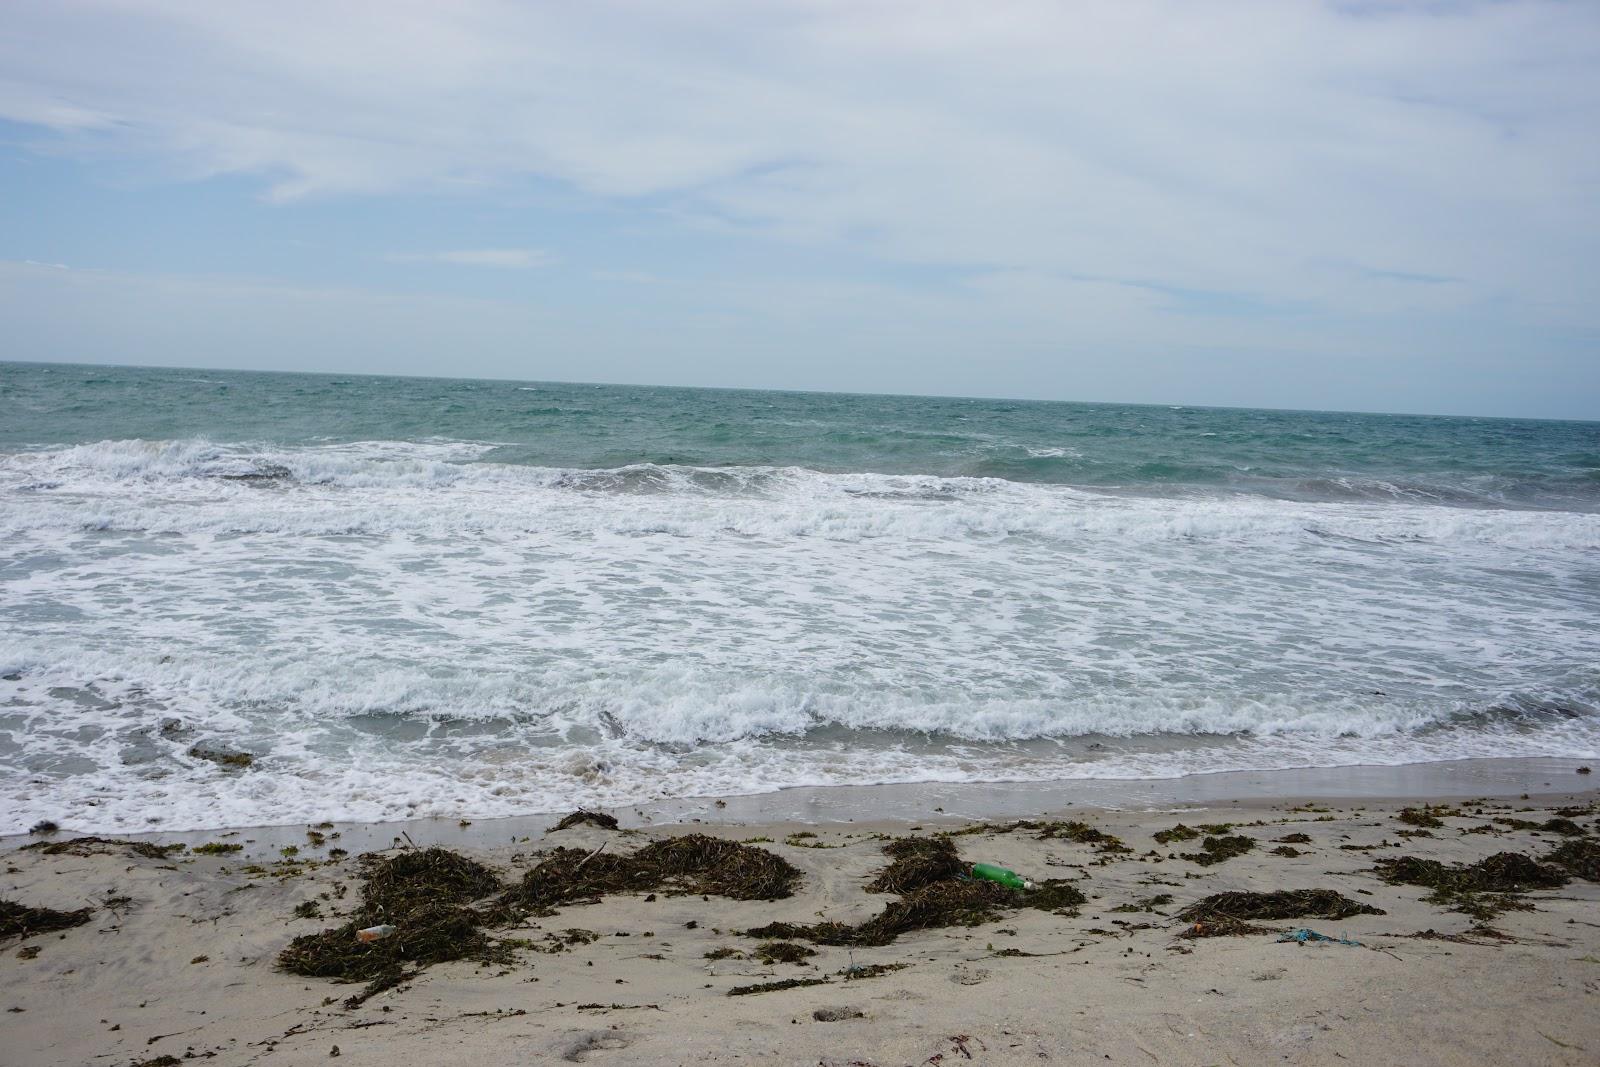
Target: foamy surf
{"x":444,"y":625}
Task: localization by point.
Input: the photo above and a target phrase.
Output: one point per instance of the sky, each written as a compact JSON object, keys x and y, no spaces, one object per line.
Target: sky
{"x":1376,"y":205}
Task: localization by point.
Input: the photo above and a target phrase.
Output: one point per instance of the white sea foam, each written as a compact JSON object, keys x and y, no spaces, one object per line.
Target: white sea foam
{"x":407,"y":628}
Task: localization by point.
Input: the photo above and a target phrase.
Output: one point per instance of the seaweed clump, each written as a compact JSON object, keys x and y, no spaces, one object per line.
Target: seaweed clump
{"x":1219,"y":849}
{"x":1427,"y":815}
{"x":917,"y":861}
{"x":90,"y":846}
{"x":1483,"y":889}
{"x":18,"y":920}
{"x":1582,"y":858}
{"x":693,"y":863}
{"x":421,"y":894}
{"x":581,"y":816}
{"x":399,"y":884}
{"x":1282,"y":904}
{"x":770,"y":987}
{"x":429,"y":934}
{"x":1179,"y":832}
{"x":952,"y":902}
{"x":783,"y":952}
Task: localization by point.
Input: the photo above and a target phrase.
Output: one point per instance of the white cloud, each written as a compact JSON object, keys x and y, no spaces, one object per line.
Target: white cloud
{"x":1099,"y":161}
{"x":511,"y":258}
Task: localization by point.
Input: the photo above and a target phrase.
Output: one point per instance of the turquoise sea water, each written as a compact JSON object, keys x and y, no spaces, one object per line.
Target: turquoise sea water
{"x":413,"y":596}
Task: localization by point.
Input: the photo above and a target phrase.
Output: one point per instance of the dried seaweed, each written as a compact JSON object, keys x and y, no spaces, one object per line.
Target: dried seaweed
{"x":782,"y":952}
{"x":582,"y":815}
{"x":770,"y":987}
{"x":1220,"y":849}
{"x":1222,"y":928}
{"x":693,"y":863}
{"x":1293,"y":839}
{"x":1483,"y":889}
{"x":1564,"y":827}
{"x":1287,"y":851}
{"x":1083,"y":834}
{"x":1055,"y":895}
{"x":1049,"y":830}
{"x":398,"y":884}
{"x":917,"y":861}
{"x":1179,"y":832}
{"x":1504,"y":872}
{"x":1148,"y":904}
{"x":953,"y":902}
{"x":428,"y":934}
{"x":387,"y":980}
{"x":17,"y":920}
{"x":1582,"y":858}
{"x":1488,"y":935}
{"x":90,"y":846}
{"x":1282,"y":904}
{"x":419,"y":892}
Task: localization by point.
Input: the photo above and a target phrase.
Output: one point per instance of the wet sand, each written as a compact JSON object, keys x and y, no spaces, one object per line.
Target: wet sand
{"x":178,"y":956}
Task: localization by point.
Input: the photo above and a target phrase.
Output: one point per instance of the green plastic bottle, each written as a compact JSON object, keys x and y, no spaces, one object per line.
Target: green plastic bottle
{"x":1010,"y":879}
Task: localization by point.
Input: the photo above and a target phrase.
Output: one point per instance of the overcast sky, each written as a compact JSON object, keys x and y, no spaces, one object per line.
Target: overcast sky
{"x":1360,"y":205}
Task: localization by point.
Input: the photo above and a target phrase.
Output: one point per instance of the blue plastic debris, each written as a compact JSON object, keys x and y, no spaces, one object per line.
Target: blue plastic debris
{"x":1305,"y":937}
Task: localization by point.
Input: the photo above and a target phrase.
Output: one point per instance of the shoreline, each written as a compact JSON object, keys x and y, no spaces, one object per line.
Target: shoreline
{"x":942,"y":802}
{"x":179,"y":955}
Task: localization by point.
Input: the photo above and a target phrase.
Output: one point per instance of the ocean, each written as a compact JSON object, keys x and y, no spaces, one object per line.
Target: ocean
{"x":410,"y":597}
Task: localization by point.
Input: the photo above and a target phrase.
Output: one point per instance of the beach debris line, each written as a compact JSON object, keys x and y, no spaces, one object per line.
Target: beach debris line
{"x":934,"y":891}
{"x":421,"y":897}
{"x":1236,"y":913}
{"x":1181,"y":832}
{"x":1564,"y":827}
{"x":1483,"y":889}
{"x":90,"y":846}
{"x":1051,"y":830}
{"x":18,"y":920}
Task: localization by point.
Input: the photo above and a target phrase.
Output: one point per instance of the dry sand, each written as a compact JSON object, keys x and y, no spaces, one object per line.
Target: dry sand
{"x":177,"y":959}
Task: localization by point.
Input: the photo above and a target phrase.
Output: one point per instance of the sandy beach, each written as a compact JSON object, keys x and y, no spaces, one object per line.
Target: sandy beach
{"x":179,"y":956}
